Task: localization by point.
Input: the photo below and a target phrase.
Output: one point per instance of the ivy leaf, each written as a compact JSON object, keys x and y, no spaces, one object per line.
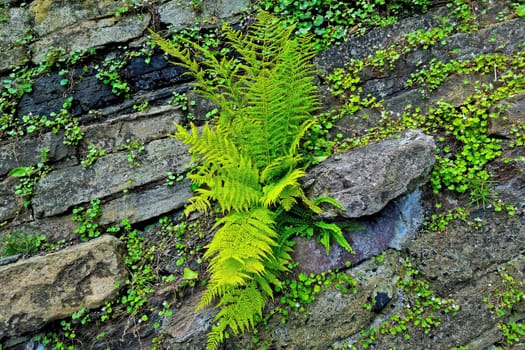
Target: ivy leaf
{"x":22,"y":171}
{"x":520,"y":11}
{"x":318,"y":20}
{"x":189,"y":274}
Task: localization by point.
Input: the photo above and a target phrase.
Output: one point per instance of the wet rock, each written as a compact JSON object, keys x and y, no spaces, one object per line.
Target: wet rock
{"x":65,"y":188}
{"x":48,"y":95}
{"x":156,"y":74}
{"x":180,"y":14}
{"x":379,"y":300}
{"x":45,"y":288}
{"x":365,"y":179}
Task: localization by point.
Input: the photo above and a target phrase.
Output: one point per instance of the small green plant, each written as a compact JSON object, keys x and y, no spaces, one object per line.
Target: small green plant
{"x":297,"y":293}
{"x":422,"y":309}
{"x":139,"y":259}
{"x":332,"y":21}
{"x":29,"y":176}
{"x":61,"y":121}
{"x":181,"y":99}
{"x":171,"y":179}
{"x":505,"y":302}
{"x":87,"y":218}
{"x":18,"y":242}
{"x":92,"y":155}
{"x":133,"y":149}
{"x":141,"y":107}
{"x":299,"y":221}
{"x":109,"y":74}
{"x":54,"y":341}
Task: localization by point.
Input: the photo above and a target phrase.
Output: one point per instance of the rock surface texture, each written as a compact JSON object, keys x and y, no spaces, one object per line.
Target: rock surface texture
{"x":364,"y":180}
{"x":46,"y":288}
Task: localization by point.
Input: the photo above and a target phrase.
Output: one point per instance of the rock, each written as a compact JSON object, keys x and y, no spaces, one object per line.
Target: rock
{"x":188,"y":329}
{"x":362,"y":46}
{"x":13,"y":57}
{"x":46,"y":96}
{"x":62,"y":189}
{"x":365,"y":179}
{"x":474,"y":325}
{"x":333,"y":315}
{"x":91,"y":34}
{"x":55,"y":229}
{"x":513,"y":114}
{"x":10,"y":203}
{"x":12,"y":38}
{"x":146,"y":204}
{"x":392,"y":227}
{"x":180,"y":14}
{"x":45,"y":288}
{"x":510,"y":178}
{"x":142,"y":127}
{"x":157,"y":73}
{"x":462,"y":253}
{"x":28,"y":151}
{"x":50,"y":16}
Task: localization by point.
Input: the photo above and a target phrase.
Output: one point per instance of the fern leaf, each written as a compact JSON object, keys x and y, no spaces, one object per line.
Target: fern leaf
{"x":229,"y":175}
{"x":274,"y":191}
{"x":238,"y":250}
{"x":329,"y":230}
{"x":215,"y":337}
{"x":329,"y":200}
{"x":240,"y":307}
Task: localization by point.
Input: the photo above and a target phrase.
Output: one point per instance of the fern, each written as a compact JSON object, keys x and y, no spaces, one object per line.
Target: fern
{"x":248,"y":161}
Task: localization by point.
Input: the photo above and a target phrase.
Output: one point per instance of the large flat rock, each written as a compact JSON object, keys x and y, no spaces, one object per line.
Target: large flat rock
{"x":147,"y":204}
{"x":365,"y":179}
{"x":45,"y":288}
{"x":50,"y":16}
{"x":68,"y":187}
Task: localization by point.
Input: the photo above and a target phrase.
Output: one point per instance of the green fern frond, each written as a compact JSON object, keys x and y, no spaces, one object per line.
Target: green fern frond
{"x":330,"y":230}
{"x":279,"y":167}
{"x":215,"y":336}
{"x":239,"y":249}
{"x":329,"y":200}
{"x":273,"y":192}
{"x":229,"y":175}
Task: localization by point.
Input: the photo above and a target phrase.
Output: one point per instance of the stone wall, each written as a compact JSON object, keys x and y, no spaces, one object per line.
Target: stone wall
{"x":130,"y":180}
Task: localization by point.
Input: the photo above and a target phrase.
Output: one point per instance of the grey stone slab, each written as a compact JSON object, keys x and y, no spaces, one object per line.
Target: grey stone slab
{"x":64,"y":188}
